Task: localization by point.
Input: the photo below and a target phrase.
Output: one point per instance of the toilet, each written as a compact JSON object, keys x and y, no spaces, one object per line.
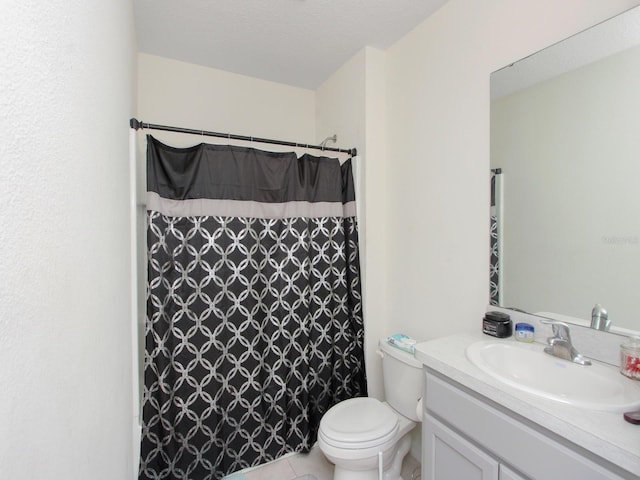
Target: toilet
{"x":355,"y":433}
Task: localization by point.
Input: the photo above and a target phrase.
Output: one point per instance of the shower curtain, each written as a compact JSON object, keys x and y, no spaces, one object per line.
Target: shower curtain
{"x":254,"y":322}
{"x":494,"y":267}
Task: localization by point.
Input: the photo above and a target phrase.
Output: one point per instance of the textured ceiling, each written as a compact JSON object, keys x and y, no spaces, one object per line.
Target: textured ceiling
{"x":296,"y":42}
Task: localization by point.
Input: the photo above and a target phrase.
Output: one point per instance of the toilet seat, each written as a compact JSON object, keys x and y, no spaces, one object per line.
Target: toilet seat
{"x":358,"y":423}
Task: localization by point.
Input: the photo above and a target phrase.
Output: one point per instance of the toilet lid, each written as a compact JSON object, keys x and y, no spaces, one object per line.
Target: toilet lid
{"x":358,"y":423}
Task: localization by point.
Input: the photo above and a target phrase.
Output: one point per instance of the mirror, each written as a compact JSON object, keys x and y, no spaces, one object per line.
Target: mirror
{"x":565,"y":136}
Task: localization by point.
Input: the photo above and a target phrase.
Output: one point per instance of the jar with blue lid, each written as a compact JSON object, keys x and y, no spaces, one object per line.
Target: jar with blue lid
{"x":524,"y":332}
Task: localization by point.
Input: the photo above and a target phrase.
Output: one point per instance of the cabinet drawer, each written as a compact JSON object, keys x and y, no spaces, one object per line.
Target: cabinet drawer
{"x":509,"y":440}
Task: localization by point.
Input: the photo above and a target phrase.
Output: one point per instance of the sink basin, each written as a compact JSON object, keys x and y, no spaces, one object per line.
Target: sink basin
{"x":526,"y":367}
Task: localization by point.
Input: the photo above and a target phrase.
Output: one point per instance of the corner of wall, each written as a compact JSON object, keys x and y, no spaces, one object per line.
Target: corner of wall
{"x":351,"y":103}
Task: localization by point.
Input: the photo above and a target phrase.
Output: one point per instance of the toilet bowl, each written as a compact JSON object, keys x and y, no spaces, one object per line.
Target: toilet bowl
{"x":356,"y":435}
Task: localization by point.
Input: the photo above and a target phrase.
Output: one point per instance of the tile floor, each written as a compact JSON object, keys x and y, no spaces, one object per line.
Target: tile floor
{"x":313,"y":463}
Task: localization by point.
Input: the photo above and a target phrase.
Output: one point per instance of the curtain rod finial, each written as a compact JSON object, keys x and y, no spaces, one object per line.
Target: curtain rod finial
{"x":135,"y":124}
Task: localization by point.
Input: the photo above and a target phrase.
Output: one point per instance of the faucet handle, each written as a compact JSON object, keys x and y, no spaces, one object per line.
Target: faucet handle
{"x":560,"y":330}
{"x":560,"y":344}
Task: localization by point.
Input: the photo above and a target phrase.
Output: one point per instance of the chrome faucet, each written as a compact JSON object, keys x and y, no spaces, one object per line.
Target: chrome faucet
{"x":559,"y":345}
{"x":600,"y":318}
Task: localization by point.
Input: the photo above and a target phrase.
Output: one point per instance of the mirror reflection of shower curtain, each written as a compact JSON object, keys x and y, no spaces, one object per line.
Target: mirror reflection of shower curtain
{"x":495,"y":267}
{"x":254,"y":322}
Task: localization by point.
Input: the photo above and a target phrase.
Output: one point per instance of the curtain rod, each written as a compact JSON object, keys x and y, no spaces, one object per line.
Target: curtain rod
{"x":136,"y":125}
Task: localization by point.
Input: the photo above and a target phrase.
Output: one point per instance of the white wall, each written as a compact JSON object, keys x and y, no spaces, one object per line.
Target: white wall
{"x":66,"y":92}
{"x":438,"y":117}
{"x":351,"y":103}
{"x":568,"y":149}
{"x":187,"y":95}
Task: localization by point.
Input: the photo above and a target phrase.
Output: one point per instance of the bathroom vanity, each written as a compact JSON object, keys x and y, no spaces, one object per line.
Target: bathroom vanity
{"x":477,"y":427}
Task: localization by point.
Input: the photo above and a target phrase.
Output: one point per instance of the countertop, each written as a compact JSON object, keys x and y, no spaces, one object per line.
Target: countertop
{"x":605,"y":434}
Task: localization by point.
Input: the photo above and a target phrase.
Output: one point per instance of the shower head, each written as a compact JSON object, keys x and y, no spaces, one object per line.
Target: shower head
{"x":333,"y":138}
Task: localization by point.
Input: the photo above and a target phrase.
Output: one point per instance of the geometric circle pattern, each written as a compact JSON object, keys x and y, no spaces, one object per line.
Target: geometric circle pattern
{"x":494,"y":265}
{"x":494,"y":255}
{"x":254,"y":330}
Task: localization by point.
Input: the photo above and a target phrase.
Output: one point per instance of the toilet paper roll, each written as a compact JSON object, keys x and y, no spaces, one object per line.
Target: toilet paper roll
{"x":419,"y":410}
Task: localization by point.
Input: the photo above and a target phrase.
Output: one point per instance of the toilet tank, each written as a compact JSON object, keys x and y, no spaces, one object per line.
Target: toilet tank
{"x":402,"y":378}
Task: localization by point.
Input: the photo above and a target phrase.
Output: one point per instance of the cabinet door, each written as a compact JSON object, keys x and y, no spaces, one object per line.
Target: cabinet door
{"x":448,"y":456}
{"x":507,"y":474}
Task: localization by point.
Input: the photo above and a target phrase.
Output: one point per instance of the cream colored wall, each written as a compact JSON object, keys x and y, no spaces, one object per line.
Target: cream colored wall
{"x":67,"y":91}
{"x":351,"y":103}
{"x":192,"y":96}
{"x":438,"y":160}
{"x":568,"y":151}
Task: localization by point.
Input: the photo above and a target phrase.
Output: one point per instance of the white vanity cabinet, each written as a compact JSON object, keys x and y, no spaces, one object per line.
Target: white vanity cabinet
{"x":449,"y":456}
{"x":507,"y":474}
{"x":467,"y":437}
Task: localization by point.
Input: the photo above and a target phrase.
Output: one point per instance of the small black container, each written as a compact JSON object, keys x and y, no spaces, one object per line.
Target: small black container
{"x":497,"y":324}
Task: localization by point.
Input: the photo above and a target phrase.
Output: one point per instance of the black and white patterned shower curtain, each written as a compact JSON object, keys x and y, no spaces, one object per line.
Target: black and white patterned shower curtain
{"x":254,"y":317}
{"x":494,"y":267}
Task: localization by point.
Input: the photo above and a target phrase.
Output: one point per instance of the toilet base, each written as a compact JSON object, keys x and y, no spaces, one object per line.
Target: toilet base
{"x":392,"y":470}
{"x":358,"y":475}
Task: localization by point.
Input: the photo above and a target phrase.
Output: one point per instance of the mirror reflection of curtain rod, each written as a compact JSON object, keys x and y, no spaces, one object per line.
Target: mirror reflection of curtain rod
{"x":136,"y":125}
